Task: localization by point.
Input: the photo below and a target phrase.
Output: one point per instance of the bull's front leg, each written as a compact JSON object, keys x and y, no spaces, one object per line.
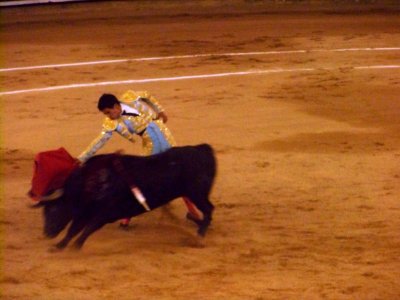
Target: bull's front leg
{"x":92,"y":225}
{"x":76,"y":226}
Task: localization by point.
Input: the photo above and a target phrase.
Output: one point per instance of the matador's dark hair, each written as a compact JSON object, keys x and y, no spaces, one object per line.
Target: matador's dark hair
{"x":107,"y":101}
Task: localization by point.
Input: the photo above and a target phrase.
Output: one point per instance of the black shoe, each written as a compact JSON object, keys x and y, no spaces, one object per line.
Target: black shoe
{"x":124,"y":226}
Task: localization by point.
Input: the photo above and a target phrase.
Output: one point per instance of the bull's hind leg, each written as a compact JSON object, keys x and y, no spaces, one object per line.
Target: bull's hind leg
{"x":206,"y":207}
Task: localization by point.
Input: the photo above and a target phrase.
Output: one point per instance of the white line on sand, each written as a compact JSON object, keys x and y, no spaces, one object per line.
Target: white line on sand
{"x":160,"y":79}
{"x":115,"y":61}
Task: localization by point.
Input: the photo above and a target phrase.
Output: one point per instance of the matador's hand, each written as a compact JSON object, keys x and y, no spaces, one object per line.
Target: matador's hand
{"x":163,"y":117}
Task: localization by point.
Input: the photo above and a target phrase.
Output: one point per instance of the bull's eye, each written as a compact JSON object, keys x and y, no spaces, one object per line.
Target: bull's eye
{"x":49,"y":193}
{"x":51,"y":209}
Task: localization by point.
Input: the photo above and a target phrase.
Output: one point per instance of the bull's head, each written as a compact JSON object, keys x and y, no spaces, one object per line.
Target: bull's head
{"x":57,"y":214}
{"x":51,"y":169}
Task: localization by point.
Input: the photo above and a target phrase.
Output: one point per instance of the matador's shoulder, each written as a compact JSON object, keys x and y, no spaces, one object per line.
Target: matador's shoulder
{"x":109,"y":125}
{"x":130,"y":95}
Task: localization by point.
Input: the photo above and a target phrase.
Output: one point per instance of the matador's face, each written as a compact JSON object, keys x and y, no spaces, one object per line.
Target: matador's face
{"x":114,"y":112}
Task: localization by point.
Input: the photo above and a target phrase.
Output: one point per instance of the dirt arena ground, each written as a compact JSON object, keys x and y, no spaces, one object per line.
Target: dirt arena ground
{"x":306,"y":196}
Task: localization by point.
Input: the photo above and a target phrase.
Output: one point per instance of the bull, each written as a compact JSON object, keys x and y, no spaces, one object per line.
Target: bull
{"x":111,"y":187}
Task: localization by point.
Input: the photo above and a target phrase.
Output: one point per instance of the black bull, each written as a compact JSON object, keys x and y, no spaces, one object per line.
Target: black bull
{"x":99,"y":192}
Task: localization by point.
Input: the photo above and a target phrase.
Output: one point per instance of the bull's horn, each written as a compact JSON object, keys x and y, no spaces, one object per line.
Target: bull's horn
{"x":54,"y":195}
{"x":36,"y":205}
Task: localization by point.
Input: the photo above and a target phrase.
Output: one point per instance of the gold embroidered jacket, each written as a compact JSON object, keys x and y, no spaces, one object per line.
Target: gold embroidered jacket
{"x":143,"y":109}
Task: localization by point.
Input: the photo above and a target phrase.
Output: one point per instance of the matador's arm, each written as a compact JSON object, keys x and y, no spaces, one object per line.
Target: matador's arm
{"x":150,"y":100}
{"x":95,"y":145}
{"x":144,"y":101}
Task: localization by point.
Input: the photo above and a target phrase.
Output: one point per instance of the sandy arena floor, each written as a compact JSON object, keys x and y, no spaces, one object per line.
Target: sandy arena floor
{"x":306,"y":197}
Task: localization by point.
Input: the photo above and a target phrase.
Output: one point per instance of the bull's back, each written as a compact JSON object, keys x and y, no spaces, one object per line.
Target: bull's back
{"x":165,"y":174}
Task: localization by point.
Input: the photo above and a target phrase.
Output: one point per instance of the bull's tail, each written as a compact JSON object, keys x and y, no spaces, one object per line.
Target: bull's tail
{"x":208,"y":159}
{"x":203,"y":168}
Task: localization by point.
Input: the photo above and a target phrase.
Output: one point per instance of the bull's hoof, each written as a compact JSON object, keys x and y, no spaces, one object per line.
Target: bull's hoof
{"x":76,"y":246}
{"x":55,"y":249}
{"x":50,"y":235}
